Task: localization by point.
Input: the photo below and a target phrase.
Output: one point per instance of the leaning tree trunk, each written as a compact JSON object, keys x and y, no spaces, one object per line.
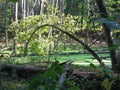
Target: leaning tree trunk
{"x":109,"y":40}
{"x":71,"y":36}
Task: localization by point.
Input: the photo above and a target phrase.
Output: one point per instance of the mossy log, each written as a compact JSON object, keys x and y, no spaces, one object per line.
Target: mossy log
{"x":20,"y":70}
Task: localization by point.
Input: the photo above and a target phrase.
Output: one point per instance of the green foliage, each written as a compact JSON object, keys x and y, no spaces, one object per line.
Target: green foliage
{"x":69,"y":85}
{"x":14,"y":0}
{"x":91,"y":65}
{"x":111,"y":24}
{"x":74,"y":7}
{"x":70,"y":23}
{"x":107,"y":84}
{"x":44,"y":36}
{"x":5,"y":14}
{"x":108,"y":73}
{"x":113,"y":47}
{"x":47,"y":80}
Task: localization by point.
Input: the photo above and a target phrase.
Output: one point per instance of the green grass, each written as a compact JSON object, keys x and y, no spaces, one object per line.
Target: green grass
{"x":79,"y":59}
{"x":12,"y":83}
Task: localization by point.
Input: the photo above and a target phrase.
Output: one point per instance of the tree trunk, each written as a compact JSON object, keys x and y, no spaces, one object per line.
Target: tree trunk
{"x":56,"y":4}
{"x":33,"y":11}
{"x":6,"y":37}
{"x":62,"y":6}
{"x":28,"y":7}
{"x":42,"y":5}
{"x":24,"y":9}
{"x":109,"y":40}
{"x":15,"y":34}
{"x":53,"y":6}
{"x":39,"y":3}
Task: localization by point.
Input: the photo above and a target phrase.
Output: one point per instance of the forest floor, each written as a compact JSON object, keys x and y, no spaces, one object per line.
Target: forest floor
{"x":84,"y":67}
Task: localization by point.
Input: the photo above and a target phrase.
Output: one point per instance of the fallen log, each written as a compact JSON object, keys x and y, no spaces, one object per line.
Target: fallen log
{"x":20,"y":70}
{"x":23,"y":71}
{"x":30,"y":71}
{"x":63,"y":75}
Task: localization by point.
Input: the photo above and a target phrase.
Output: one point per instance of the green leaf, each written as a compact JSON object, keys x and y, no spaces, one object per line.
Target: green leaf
{"x":34,"y":83}
{"x":92,"y":65}
{"x":107,"y":84}
{"x":49,"y":74}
